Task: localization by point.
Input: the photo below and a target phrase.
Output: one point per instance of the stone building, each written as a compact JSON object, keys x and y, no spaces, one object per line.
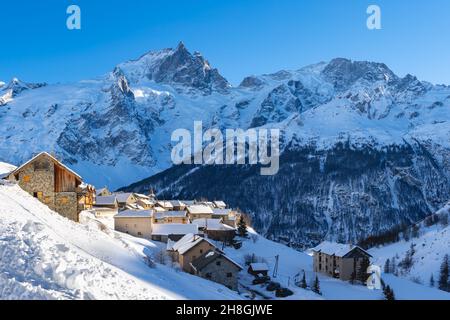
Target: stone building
{"x":339,"y":260}
{"x":215,"y":266}
{"x":54,"y":184}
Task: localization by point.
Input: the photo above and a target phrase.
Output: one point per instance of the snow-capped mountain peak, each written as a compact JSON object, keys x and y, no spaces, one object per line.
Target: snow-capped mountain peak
{"x":177,"y":67}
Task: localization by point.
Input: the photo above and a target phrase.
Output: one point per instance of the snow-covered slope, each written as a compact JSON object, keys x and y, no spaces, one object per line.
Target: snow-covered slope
{"x":431,"y":242}
{"x":45,"y":256}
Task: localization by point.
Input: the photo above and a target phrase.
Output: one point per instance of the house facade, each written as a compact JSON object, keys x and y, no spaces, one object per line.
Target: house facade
{"x":135,"y":223}
{"x":340,"y":261}
{"x":54,"y":184}
{"x":215,"y":266}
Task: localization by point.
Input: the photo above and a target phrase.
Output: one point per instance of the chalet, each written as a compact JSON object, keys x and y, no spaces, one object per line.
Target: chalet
{"x":215,"y":229}
{"x":125,"y":199}
{"x":170,"y":217}
{"x":172,"y":231}
{"x":258,"y":269}
{"x":199,"y":211}
{"x":135,"y":223}
{"x":53,"y":183}
{"x":339,"y":260}
{"x":103,"y":192}
{"x":188,"y":248}
{"x":106,"y":206}
{"x":215,"y":266}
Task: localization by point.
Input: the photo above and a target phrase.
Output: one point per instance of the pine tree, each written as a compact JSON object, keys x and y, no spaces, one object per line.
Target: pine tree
{"x":388,"y":293}
{"x":443,"y":276}
{"x":432,"y":281}
{"x":303,"y":282}
{"x":316,"y":286}
{"x":387,"y":266}
{"x":242,"y":227}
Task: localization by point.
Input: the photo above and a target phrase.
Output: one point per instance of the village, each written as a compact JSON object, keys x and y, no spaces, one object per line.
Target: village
{"x":194,"y":232}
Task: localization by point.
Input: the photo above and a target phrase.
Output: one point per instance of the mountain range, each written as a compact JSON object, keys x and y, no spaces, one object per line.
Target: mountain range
{"x":362,"y":149}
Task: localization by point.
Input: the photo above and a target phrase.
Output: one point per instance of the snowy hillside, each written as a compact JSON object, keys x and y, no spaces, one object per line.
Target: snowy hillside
{"x":430,"y":241}
{"x":44,"y":256}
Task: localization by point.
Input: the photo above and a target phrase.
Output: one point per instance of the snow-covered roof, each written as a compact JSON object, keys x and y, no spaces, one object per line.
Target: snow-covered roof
{"x":174,"y":228}
{"x":189,"y":202}
{"x":170,"y":214}
{"x":123,"y":197}
{"x":142,"y":196}
{"x":186,"y":243}
{"x":6,"y":169}
{"x":159,"y":209}
{"x":164,"y":204}
{"x":210,"y":256}
{"x":337,"y":249}
{"x":101,"y":190}
{"x":199,"y":208}
{"x":146,"y":202}
{"x":222,"y":212}
{"x":220,"y":204}
{"x":134,"y":214}
{"x":212,"y":224}
{"x":105,"y":200}
{"x":53,"y":159}
{"x":177,"y":203}
{"x":259,"y":266}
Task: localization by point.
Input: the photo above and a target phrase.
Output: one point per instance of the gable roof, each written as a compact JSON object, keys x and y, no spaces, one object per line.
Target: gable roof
{"x":199,"y":209}
{"x":166,"y":229}
{"x":188,"y":242}
{"x":134,"y":214}
{"x":337,"y":249}
{"x":105,"y":200}
{"x":101,"y":191}
{"x":210,"y":256}
{"x":52,"y":158}
{"x":123,"y":197}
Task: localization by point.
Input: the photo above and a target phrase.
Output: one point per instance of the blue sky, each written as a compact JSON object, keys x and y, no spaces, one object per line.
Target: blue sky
{"x":240,"y":37}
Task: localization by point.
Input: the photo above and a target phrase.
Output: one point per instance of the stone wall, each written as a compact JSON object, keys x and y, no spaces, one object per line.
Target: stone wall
{"x":66,"y":204}
{"x":220,"y":273}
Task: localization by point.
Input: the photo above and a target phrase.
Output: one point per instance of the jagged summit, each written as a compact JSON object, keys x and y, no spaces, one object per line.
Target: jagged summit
{"x":176,"y":67}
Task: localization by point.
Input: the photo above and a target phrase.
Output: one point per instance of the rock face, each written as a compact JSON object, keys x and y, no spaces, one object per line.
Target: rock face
{"x":362,"y":148}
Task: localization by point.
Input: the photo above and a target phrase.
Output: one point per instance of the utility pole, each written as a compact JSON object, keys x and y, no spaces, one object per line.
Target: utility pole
{"x":275,"y":269}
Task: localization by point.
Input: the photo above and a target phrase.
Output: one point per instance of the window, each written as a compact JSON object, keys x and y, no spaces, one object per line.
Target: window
{"x":208,"y":275}
{"x":26,"y":179}
{"x":229,"y":275}
{"x":218,"y":263}
{"x":139,"y":233}
{"x":201,"y":250}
